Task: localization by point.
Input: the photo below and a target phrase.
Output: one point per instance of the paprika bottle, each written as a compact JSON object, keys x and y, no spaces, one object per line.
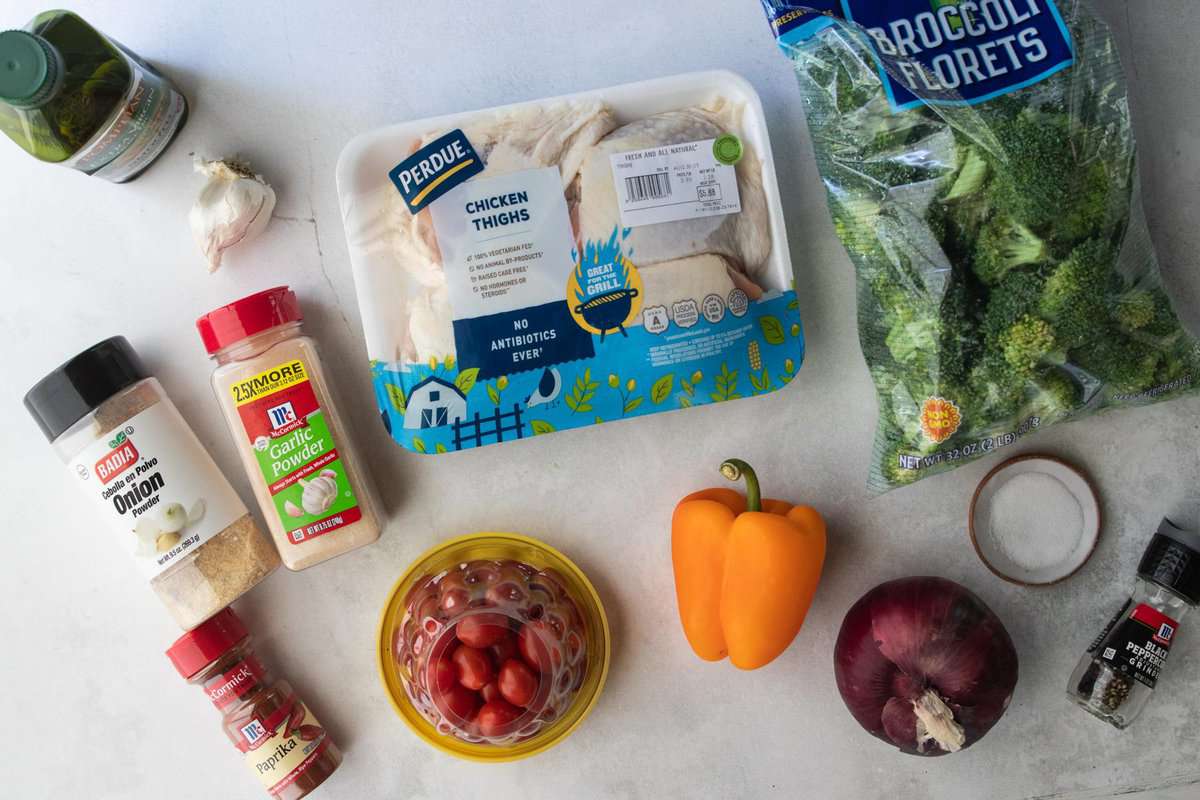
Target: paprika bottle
{"x":282,"y":742}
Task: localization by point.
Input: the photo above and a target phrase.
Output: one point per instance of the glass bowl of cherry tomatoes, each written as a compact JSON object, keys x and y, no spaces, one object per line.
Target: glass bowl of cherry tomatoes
{"x":493,"y":646}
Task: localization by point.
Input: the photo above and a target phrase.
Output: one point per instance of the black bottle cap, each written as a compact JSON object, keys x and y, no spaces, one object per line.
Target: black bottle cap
{"x":76,"y":388}
{"x":1172,"y":559}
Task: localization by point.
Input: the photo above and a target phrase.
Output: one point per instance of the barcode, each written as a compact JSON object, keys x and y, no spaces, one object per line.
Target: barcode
{"x":648,"y":187}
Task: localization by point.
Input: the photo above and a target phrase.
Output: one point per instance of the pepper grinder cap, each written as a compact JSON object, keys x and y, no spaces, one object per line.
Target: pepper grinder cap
{"x":30,"y":69}
{"x":243,"y":318}
{"x":203,"y":645}
{"x":1172,"y":560}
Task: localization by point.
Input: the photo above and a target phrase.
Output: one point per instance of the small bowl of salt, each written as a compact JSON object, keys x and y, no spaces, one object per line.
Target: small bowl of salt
{"x":1034,"y":520}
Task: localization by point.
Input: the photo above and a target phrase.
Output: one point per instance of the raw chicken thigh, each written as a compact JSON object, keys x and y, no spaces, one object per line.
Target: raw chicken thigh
{"x":553,"y":134}
{"x":677,"y":260}
{"x":685,"y":258}
{"x":695,"y":278}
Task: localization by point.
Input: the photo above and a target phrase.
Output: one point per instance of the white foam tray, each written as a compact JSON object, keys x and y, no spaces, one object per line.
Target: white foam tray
{"x":364,"y":186}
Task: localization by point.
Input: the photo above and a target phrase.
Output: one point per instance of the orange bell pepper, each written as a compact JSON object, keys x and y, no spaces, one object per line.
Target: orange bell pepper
{"x":746,"y":570}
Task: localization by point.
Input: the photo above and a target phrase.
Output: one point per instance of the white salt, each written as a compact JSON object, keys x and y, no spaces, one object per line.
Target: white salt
{"x":1036,"y":521}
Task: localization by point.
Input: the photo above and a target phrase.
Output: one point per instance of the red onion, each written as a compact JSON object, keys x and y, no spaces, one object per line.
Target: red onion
{"x":924,"y":664}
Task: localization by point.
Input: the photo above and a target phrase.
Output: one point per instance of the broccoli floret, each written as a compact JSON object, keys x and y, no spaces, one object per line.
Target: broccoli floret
{"x":1041,"y":182}
{"x":908,"y":327}
{"x":914,"y":339}
{"x":1018,"y":294}
{"x":971,"y":177}
{"x":849,"y":95}
{"x":1165,"y":326}
{"x":854,"y":218}
{"x":1016,"y":338}
{"x":1126,"y":365}
{"x":994,"y":391}
{"x":957,"y":226}
{"x":1055,"y":394}
{"x":1179,"y":362}
{"x":960,"y":345}
{"x":1135,"y":309}
{"x":1027,"y":343}
{"x":1074,"y":297}
{"x":1004,"y":245}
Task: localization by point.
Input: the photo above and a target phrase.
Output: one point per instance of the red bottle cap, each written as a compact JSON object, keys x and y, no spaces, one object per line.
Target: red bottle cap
{"x":215,"y":637}
{"x":229,"y":324}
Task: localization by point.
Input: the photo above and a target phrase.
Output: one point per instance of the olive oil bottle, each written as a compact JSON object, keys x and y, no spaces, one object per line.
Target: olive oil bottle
{"x":70,"y":95}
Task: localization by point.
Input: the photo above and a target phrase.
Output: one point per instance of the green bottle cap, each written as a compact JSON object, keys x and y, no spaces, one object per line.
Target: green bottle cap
{"x":30,"y":69}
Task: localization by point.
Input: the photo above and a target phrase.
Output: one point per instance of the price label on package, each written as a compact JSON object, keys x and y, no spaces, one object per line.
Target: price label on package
{"x":674,"y":182}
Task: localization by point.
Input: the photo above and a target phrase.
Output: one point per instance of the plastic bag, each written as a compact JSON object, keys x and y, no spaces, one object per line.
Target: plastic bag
{"x":980,"y":169}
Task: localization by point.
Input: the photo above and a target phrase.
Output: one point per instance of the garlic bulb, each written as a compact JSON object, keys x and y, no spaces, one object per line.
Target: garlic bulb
{"x":319,"y":493}
{"x":234,"y":206}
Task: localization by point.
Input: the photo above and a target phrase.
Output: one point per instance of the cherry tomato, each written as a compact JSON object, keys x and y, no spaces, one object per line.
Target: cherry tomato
{"x":495,"y":716}
{"x":457,"y":704}
{"x":474,"y":667}
{"x":517,"y":682}
{"x":490,"y":692}
{"x":442,"y":675}
{"x":503,"y":650}
{"x":532,"y":643}
{"x":481,"y":630}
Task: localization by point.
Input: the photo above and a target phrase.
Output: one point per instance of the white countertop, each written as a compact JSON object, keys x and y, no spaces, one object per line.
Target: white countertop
{"x":93,"y":709}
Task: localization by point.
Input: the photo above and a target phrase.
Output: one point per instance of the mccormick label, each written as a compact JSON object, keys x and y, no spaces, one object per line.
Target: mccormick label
{"x":295,"y":451}
{"x":227,"y":689}
{"x":280,"y":747}
{"x":1137,"y":645}
{"x":158,"y":488}
{"x":941,"y":52}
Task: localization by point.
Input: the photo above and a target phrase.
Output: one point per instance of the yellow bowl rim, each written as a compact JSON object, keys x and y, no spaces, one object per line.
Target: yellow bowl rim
{"x":383,"y":649}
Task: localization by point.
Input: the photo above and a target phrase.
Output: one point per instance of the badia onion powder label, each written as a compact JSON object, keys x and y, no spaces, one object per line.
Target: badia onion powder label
{"x":162,"y":494}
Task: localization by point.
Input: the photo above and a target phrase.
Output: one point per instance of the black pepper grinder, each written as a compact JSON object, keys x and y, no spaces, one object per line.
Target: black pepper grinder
{"x":1117,"y":675}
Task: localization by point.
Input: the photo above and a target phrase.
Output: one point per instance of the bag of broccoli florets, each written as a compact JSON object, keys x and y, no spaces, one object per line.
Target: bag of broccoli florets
{"x":980,"y":168}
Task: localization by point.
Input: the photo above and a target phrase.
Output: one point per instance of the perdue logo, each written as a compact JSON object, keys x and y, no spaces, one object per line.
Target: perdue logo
{"x":435,"y":169}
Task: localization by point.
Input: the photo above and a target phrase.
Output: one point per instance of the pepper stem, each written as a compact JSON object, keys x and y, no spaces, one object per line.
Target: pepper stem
{"x":735,"y":469}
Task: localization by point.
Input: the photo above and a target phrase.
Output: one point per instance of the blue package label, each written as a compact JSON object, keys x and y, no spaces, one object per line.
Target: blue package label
{"x":435,"y":169}
{"x":521,"y":340}
{"x":728,"y":350}
{"x":942,"y":52}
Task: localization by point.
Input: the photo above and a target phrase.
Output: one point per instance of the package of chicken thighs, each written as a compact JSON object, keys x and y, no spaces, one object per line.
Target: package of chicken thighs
{"x":531,"y":268}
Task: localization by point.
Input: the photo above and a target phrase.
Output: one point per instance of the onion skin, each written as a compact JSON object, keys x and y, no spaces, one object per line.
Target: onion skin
{"x":924,"y":637}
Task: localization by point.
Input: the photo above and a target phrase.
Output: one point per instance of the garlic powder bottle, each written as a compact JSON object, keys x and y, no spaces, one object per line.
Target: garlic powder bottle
{"x":272,"y":389}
